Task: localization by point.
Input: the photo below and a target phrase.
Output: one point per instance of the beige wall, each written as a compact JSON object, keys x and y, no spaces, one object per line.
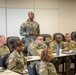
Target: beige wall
{"x":67,"y":16}
{"x":52,"y":15}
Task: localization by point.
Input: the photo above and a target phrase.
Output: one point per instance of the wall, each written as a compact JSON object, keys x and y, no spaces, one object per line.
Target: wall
{"x":67,"y":16}
{"x":52,"y":15}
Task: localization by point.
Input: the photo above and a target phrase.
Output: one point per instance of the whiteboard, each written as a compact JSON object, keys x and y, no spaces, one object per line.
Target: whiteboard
{"x":2,"y":22}
{"x":15,"y":17}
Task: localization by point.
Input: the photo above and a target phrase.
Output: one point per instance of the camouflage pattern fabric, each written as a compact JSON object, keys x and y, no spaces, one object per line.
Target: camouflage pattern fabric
{"x":57,"y":61}
{"x":16,"y":62}
{"x":49,"y":39}
{"x":35,"y":49}
{"x":4,"y":50}
{"x":45,"y":68}
{"x":28,"y":27}
{"x":70,"y":45}
{"x":53,"y":46}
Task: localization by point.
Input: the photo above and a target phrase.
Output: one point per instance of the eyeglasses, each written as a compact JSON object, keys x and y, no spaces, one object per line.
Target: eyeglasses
{"x":39,"y":39}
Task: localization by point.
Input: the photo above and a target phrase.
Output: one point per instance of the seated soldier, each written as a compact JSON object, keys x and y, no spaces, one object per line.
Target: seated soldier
{"x":45,"y":67}
{"x":16,"y":61}
{"x":37,"y":46}
{"x":69,"y":44}
{"x":3,"y":48}
{"x":57,"y":61}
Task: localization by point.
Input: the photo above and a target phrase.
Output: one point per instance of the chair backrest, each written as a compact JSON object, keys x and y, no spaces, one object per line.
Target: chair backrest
{"x":11,"y":40}
{"x":3,"y":60}
{"x":23,"y":40}
{"x":32,"y":68}
{"x":47,"y":43}
{"x":25,"y":50}
{"x":46,"y":36}
{"x":54,"y":35}
{"x":73,"y":36}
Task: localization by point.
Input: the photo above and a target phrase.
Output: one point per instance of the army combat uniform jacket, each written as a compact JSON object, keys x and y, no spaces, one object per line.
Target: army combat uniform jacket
{"x":16,"y":62}
{"x":53,"y":46}
{"x":4,"y":50}
{"x":57,"y":61}
{"x":35,"y":49}
{"x":28,"y":27}
{"x":70,"y":45}
{"x":45,"y":68}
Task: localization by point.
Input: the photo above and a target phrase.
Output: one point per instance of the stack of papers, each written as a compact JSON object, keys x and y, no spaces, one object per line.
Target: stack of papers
{"x":2,"y":69}
{"x":67,"y":52}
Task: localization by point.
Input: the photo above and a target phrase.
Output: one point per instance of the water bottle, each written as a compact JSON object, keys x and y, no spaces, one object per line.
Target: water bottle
{"x":60,"y":51}
{"x":57,"y":50}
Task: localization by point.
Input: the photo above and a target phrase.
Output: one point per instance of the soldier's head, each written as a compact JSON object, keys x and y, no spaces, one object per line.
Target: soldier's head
{"x":39,"y":39}
{"x":31,"y":15}
{"x":58,"y":38}
{"x":67,"y":37}
{"x":18,"y":46}
{"x":2,"y":40}
{"x":46,"y":55}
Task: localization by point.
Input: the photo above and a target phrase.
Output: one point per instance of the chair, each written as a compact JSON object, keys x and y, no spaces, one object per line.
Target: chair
{"x":32,"y":68}
{"x":3,"y":60}
{"x":73,"y":36}
{"x":46,"y":36}
{"x":25,"y":50}
{"x":47,"y":43}
{"x":54,"y":35}
{"x":23,"y":40}
{"x":74,"y":62}
{"x":11,"y":40}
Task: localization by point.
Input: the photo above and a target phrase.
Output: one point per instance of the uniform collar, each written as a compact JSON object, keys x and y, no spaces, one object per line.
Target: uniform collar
{"x":37,"y":44}
{"x":18,"y":53}
{"x":58,"y":44}
{"x":29,"y":20}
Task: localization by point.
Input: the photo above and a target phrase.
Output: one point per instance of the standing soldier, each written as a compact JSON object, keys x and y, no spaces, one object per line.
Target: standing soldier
{"x":29,"y":29}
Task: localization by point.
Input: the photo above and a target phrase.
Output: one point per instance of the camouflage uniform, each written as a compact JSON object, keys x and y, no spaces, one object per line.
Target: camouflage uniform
{"x":4,"y":50}
{"x":54,"y":44}
{"x":57,"y":61}
{"x":28,"y":27}
{"x":35,"y":49}
{"x":16,"y":62}
{"x":70,"y":45}
{"x":49,"y":39}
{"x":45,"y":68}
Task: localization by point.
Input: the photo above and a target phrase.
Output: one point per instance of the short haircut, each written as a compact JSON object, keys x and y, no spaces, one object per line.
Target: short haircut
{"x":58,"y":35}
{"x":30,"y":12}
{"x":2,"y":37}
{"x":46,"y":55}
{"x":67,"y":34}
{"x":38,"y":36}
